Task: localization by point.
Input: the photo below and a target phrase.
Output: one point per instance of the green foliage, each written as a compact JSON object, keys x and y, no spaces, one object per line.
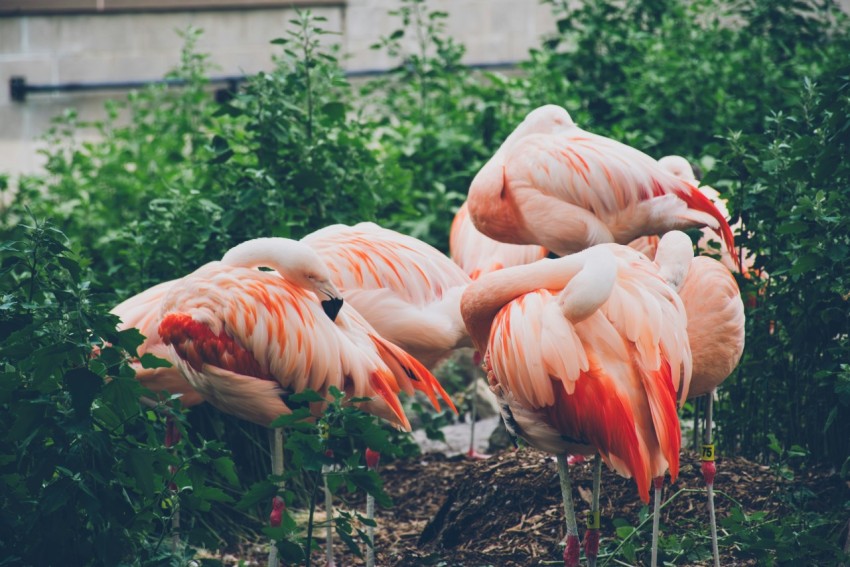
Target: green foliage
{"x":294,"y":159}
{"x":84,"y":474}
{"x":667,"y":76}
{"x":329,"y":450}
{"x":432,"y":120}
{"x":791,"y":185}
{"x":130,"y":198}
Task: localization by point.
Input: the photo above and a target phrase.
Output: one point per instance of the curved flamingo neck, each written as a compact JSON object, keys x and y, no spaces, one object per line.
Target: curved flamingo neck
{"x":484,"y":297}
{"x":281,"y":254}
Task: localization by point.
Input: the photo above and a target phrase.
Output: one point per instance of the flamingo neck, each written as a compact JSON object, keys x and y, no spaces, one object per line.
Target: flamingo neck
{"x":484,"y":297}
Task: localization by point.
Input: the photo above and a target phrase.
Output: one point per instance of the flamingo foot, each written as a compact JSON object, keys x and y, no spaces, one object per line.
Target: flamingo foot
{"x":571,"y":552}
{"x":475,"y":455}
{"x":573,"y":460}
{"x":276,"y":515}
{"x":591,"y":546}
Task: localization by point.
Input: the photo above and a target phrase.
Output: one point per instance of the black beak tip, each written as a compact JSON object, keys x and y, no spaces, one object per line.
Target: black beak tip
{"x":332,"y":307}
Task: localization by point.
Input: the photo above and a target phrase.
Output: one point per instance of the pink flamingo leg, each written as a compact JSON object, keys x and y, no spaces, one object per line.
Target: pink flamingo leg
{"x":658,"y":483}
{"x":473,"y":412}
{"x":708,"y":472}
{"x":372,"y":460}
{"x":591,"y":536}
{"x":571,"y":551}
{"x":278,"y":504}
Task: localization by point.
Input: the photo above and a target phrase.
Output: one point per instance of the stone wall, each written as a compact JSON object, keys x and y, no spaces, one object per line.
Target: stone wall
{"x":138,"y":46}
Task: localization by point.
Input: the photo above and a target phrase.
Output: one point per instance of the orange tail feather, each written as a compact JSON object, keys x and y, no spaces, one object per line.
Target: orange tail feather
{"x":596,"y":415}
{"x":697,"y":201}
{"x":383,"y":386}
{"x":407,"y":368}
{"x":662,"y":403}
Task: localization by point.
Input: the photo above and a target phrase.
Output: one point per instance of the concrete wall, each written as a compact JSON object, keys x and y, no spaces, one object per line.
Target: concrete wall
{"x":52,"y":49}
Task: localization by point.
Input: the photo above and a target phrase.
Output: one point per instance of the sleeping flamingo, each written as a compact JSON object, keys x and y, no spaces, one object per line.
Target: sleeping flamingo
{"x":245,"y":339}
{"x":555,"y":185}
{"x":716,"y":324}
{"x":477,"y":255}
{"x":586,"y":354}
{"x":406,"y":289}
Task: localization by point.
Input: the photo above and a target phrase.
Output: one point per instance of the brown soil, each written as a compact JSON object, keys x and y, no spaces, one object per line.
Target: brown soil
{"x":507,"y":511}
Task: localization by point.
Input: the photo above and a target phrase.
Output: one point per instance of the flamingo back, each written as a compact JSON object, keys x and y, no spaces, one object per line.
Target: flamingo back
{"x":716,"y":323}
{"x":366,"y":256}
{"x":478,"y":254}
{"x":406,"y":289}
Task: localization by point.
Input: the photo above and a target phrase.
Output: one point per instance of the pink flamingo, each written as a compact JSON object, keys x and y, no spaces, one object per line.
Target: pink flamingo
{"x":244,"y":339}
{"x":586,"y":354}
{"x":555,"y":185}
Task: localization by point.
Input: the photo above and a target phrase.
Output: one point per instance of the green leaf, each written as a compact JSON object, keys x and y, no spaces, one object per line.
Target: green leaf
{"x":259,"y":491}
{"x":794,"y":227}
{"x":130,"y":339}
{"x":307,"y":396}
{"x":83,"y":385}
{"x":226,"y":468}
{"x":222,"y":150}
{"x":122,"y":396}
{"x":624,"y":531}
{"x":141,"y":467}
{"x":150,"y":361}
{"x":335,"y":111}
{"x":806,"y":263}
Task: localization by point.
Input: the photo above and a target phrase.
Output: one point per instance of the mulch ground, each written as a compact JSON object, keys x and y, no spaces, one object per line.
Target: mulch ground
{"x":507,"y":511}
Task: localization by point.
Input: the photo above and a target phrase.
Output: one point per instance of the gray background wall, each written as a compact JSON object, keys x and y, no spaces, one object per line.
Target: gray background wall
{"x":108,"y":47}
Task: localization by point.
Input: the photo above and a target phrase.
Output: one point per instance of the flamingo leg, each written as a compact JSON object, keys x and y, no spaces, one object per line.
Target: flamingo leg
{"x":276,"y":442}
{"x":658,"y":483}
{"x":370,"y":531}
{"x":473,"y":416}
{"x":591,"y":536}
{"x":571,"y":551}
{"x":708,"y":472}
{"x":329,"y":513}
{"x":372,"y":460}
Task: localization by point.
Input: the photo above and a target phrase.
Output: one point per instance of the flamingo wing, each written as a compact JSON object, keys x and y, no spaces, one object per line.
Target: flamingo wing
{"x":716,"y":323}
{"x":141,"y":312}
{"x":406,"y":289}
{"x":243,"y":337}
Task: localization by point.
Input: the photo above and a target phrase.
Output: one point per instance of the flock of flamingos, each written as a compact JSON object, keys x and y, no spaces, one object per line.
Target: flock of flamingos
{"x":588,"y":353}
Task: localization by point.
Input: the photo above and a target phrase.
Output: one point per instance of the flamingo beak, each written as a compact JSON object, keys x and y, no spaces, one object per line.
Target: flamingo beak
{"x":334,"y":301}
{"x":332,"y":307}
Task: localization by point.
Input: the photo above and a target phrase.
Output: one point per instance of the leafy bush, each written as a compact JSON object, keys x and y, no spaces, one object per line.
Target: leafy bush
{"x":435,"y":118}
{"x":791,"y":185}
{"x":84,"y":474}
{"x":668,"y":76}
{"x":296,"y":160}
{"x":130,"y":198}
